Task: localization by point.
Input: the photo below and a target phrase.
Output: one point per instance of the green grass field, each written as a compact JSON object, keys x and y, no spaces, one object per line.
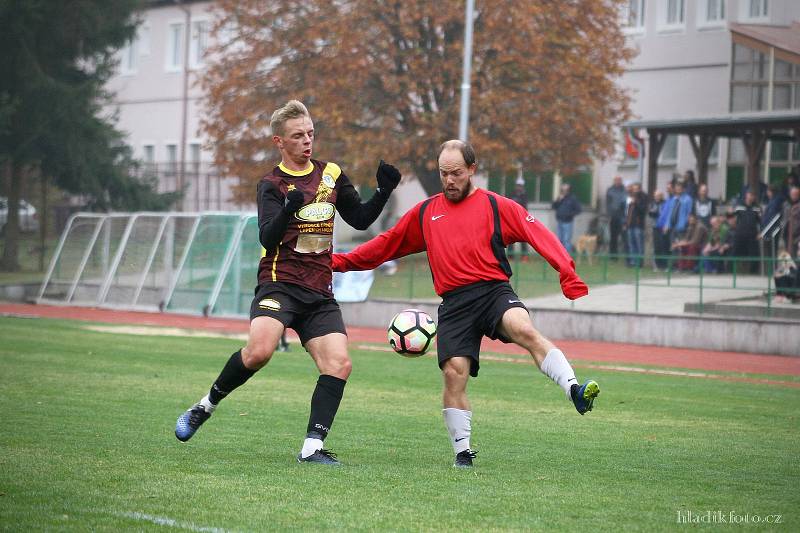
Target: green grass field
{"x":88,"y":444}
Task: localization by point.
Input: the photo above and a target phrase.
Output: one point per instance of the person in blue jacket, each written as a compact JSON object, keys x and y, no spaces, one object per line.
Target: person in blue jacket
{"x":675,"y":214}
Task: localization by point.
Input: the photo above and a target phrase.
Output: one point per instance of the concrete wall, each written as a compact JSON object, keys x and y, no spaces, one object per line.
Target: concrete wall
{"x":691,"y":331}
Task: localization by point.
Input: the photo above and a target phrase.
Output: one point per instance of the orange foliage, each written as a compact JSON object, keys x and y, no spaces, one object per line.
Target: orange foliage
{"x":382,"y":80}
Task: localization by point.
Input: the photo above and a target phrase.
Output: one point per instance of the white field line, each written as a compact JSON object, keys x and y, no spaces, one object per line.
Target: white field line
{"x":169,"y":522}
{"x":616,"y":368}
{"x":168,"y":332}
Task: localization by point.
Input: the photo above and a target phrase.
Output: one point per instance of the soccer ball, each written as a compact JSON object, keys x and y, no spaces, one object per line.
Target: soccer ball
{"x":411,"y":332}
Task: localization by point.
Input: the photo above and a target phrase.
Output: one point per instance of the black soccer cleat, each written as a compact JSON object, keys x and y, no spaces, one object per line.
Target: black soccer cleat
{"x":464,"y":459}
{"x":190,"y":421}
{"x":321,"y":456}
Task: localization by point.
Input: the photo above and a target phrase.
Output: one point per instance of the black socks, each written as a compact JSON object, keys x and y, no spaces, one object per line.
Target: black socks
{"x":324,"y":404}
{"x":233,"y":375}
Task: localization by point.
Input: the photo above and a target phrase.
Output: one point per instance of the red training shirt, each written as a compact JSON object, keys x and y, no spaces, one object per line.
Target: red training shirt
{"x":457,"y":236}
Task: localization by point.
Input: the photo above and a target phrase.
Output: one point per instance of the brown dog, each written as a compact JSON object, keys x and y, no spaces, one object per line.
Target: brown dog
{"x":587,"y":244}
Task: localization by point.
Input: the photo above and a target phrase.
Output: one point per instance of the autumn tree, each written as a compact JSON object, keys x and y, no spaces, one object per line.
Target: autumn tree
{"x":382,"y":80}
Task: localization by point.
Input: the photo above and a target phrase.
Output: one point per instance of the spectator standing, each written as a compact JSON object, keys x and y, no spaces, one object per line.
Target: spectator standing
{"x":615,"y":209}
{"x":748,"y":224}
{"x":676,"y":214}
{"x":689,"y":183}
{"x":634,"y":224}
{"x":792,"y":221}
{"x":704,"y":207}
{"x":660,"y":243}
{"x":760,"y":194}
{"x":567,"y":207}
{"x":775,"y":200}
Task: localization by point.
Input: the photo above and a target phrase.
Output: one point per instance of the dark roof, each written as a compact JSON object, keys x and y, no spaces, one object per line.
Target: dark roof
{"x":728,"y":125}
{"x":786,"y":38}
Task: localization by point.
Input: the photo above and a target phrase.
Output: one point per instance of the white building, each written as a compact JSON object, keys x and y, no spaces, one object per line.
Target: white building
{"x":682,"y":70}
{"x":159,"y":101}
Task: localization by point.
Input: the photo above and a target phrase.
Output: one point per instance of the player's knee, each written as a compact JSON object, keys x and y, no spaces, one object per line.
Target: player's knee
{"x":454,"y":373}
{"x":341,"y":367}
{"x":257,"y":355}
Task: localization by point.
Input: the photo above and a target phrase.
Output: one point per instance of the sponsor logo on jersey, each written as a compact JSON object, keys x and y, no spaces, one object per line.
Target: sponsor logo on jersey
{"x":328,"y":180}
{"x":316,"y":212}
{"x":436,"y":217}
{"x":269,"y":303}
{"x":529,"y":218}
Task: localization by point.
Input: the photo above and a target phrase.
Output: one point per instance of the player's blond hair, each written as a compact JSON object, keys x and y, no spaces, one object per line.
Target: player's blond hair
{"x":289,"y":110}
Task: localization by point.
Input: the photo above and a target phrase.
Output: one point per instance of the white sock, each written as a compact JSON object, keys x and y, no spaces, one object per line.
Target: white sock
{"x":207,"y":405}
{"x":310,"y":446}
{"x":459,"y":425}
{"x":556,"y":367}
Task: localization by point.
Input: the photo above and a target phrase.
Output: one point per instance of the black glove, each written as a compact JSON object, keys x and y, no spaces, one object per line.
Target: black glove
{"x":294,"y":199}
{"x":388,"y":177}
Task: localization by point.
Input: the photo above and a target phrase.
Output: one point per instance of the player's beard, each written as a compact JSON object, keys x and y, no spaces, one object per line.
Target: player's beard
{"x":456,"y":197}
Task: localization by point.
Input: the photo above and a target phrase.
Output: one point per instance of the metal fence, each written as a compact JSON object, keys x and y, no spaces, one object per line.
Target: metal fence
{"x":183,"y":262}
{"x":208,"y":262}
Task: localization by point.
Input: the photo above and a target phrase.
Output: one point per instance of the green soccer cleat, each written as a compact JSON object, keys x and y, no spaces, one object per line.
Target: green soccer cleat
{"x":583,"y":396}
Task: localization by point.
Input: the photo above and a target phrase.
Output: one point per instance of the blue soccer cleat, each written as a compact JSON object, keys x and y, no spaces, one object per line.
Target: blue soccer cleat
{"x":321,"y":456}
{"x":190,"y":421}
{"x":583,"y":396}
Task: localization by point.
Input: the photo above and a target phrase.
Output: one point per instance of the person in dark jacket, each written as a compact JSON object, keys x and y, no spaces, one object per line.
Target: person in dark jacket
{"x":748,"y":224}
{"x":704,"y":207}
{"x":616,"y":197}
{"x":635,"y":215}
{"x":660,"y":241}
{"x":567,"y":207}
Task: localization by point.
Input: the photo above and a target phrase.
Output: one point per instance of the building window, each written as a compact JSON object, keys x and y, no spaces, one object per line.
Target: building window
{"x":780,"y":151}
{"x":175,"y":47}
{"x":758,"y":9}
{"x":633,"y":16}
{"x":713,"y":156}
{"x":129,"y":58}
{"x":754,"y":10}
{"x":199,"y":44}
{"x":149,"y":158}
{"x":749,"y":79}
{"x":736,"y":151}
{"x":172,"y":159}
{"x":669,"y":152}
{"x":673,"y":15}
{"x":711,"y":14}
{"x":143,"y":36}
{"x":194,"y":157}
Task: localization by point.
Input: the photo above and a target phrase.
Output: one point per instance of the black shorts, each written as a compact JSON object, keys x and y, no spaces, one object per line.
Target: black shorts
{"x":309,"y":313}
{"x":467,"y":314}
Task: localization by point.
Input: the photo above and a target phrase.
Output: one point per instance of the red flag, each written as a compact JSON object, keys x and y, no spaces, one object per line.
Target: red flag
{"x":630,"y":148}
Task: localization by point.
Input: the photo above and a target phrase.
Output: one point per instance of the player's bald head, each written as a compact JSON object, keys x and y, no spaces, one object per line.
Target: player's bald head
{"x":466,"y":150}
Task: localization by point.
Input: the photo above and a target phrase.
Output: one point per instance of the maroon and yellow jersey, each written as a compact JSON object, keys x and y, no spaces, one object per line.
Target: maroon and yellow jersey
{"x":297,"y":246}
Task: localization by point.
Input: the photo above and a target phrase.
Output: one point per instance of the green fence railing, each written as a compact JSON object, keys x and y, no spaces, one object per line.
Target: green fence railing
{"x":739,"y":277}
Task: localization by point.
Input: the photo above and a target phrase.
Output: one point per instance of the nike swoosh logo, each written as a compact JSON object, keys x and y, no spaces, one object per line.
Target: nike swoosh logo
{"x":459,"y":440}
{"x":514,"y":302}
{"x":437,"y":217}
